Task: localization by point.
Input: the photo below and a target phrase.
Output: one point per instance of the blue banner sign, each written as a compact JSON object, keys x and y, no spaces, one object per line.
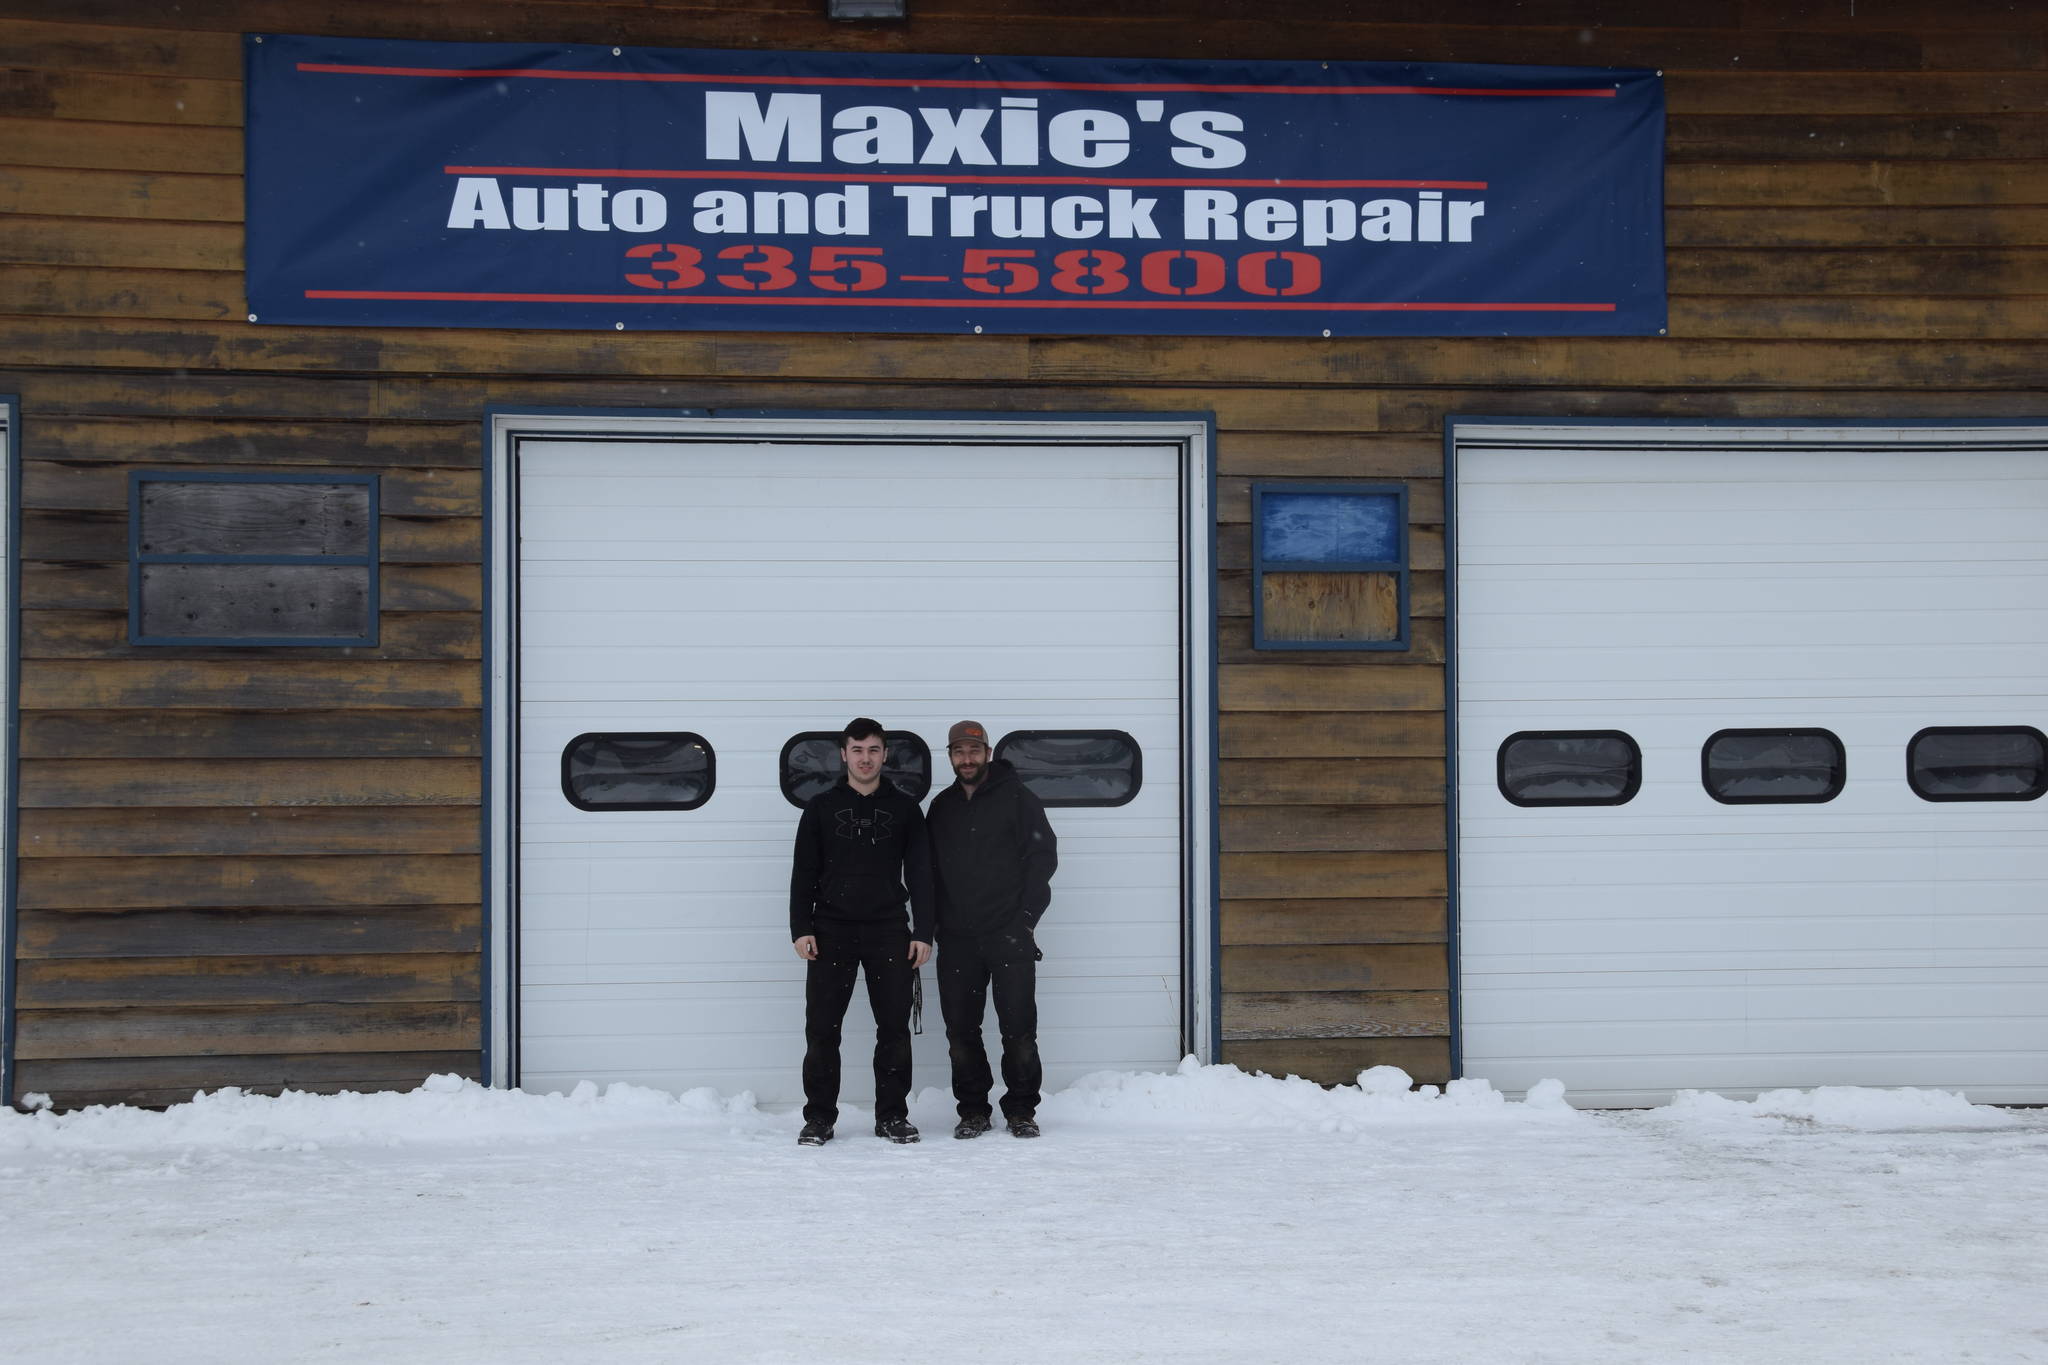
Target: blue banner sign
{"x":496,"y":185}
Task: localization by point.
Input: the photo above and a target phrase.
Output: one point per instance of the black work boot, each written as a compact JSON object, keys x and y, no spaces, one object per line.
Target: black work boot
{"x":896,"y":1130}
{"x":971,"y":1128}
{"x":1023,"y":1127}
{"x":814,"y":1135}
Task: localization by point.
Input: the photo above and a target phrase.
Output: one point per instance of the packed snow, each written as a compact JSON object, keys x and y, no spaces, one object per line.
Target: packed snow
{"x":1200,"y":1215}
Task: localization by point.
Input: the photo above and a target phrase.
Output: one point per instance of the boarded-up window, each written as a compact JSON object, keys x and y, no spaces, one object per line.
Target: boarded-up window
{"x":662,"y":770}
{"x":1330,"y":566}
{"x":241,"y":559}
{"x":1978,"y":763}
{"x":1075,"y":767}
{"x":1773,"y":767}
{"x":811,"y":762}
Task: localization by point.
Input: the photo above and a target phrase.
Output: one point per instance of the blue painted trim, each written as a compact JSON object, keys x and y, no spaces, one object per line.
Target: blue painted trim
{"x":10,"y":410}
{"x":1398,"y":566}
{"x":486,"y":1012}
{"x":1452,"y":947}
{"x":368,"y":560}
{"x":1215,"y":906}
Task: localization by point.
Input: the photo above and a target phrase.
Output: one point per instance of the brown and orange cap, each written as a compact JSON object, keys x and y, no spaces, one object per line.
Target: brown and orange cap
{"x":966,"y":730}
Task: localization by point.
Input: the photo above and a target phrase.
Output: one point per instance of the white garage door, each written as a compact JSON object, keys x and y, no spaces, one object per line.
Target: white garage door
{"x":749,"y":592}
{"x":1671,"y":584}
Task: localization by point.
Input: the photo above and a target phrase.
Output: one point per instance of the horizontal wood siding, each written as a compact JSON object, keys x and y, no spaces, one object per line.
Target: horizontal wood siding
{"x":259,"y":867}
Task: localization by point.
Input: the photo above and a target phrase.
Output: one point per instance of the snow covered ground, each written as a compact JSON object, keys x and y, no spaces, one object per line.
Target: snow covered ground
{"x":1199,"y":1216}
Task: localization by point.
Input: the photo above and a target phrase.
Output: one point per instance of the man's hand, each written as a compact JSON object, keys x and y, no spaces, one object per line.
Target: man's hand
{"x":920,"y":953}
{"x":807,"y":947}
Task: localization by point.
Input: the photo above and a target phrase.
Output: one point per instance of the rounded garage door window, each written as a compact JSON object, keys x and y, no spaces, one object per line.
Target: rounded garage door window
{"x":1978,"y":763}
{"x":1773,"y":767}
{"x":657,"y":770}
{"x":1569,"y":768}
{"x":811,"y":763}
{"x":1075,"y":767}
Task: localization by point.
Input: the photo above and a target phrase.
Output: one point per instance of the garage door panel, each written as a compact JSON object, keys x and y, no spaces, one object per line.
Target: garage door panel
{"x":744,"y":594}
{"x":1673,"y":590}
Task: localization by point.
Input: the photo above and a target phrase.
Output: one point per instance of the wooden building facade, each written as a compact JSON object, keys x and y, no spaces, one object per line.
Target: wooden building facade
{"x":265,"y":867}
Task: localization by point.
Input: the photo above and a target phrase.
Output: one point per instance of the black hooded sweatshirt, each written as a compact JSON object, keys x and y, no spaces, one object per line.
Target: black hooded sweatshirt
{"x":853,"y":855}
{"x":993,"y":856}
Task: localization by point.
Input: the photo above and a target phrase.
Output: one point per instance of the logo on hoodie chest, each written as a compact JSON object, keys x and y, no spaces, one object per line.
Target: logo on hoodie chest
{"x":875,"y":827}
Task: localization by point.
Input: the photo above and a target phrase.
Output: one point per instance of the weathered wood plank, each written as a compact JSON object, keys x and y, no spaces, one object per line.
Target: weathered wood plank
{"x":359,"y":447}
{"x":1342,"y":876}
{"x":126,"y":51}
{"x":252,"y":734}
{"x":201,"y":933}
{"x":1419,"y":919}
{"x":69,"y":192}
{"x":325,"y":1028}
{"x":1288,"y":686}
{"x":83,"y":291}
{"x":72,"y":585}
{"x":1314,"y":455}
{"x":73,"y":782}
{"x":121,"y":146}
{"x":104,"y":635}
{"x":1422,"y":410}
{"x":1331,"y":781}
{"x":57,"y":685}
{"x":1425,"y":646}
{"x":1838,"y":94}
{"x":128,"y":245}
{"x":1888,"y":228}
{"x":1336,"y":1014}
{"x":361,"y":978}
{"x":102,"y":537}
{"x":1425,"y":593}
{"x":1342,"y":734}
{"x":92,"y":486}
{"x":1330,"y":829}
{"x":173,"y":100}
{"x":1854,"y":137}
{"x":1911,"y":183}
{"x":156,"y":1082}
{"x":1854,"y":315}
{"x":275,"y":883}
{"x":1331,"y":607}
{"x":205,"y":832}
{"x":1337,"y":1061}
{"x":147,"y":395}
{"x":1336,"y":967}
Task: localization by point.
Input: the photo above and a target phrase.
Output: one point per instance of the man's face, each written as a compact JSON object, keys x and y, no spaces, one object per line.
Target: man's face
{"x":863,"y":758}
{"x":970,"y":760}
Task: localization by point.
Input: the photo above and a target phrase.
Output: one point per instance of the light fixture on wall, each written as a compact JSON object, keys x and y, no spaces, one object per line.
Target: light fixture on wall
{"x":865,"y":9}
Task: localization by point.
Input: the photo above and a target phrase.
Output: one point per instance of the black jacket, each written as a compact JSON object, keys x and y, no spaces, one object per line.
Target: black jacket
{"x":992,"y":857}
{"x":853,"y":856}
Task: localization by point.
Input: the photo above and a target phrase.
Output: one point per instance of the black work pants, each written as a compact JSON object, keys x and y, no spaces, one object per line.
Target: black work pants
{"x":845,"y":948}
{"x":969,"y":965}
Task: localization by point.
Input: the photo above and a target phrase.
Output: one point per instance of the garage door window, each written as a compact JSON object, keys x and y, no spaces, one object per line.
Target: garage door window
{"x":811,"y":764}
{"x":1075,"y":767}
{"x":1569,"y":768}
{"x":661,"y":770}
{"x":1978,"y":763}
{"x":1773,"y":767}
{"x":1330,"y":566}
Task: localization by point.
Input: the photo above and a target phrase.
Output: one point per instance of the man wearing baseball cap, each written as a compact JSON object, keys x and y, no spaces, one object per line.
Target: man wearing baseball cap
{"x":993,"y":856}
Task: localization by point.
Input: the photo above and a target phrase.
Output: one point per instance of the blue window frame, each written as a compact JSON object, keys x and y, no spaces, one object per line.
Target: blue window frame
{"x":252,"y":559}
{"x":1329,"y":566}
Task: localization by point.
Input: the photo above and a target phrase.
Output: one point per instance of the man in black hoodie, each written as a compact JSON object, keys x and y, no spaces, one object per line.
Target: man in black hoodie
{"x":857,"y":844}
{"x":993,"y":855}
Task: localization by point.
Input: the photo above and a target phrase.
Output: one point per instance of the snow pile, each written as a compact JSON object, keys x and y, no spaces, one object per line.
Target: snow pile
{"x":1223,"y":1097}
{"x":1853,"y":1107}
{"x":444,"y":1109}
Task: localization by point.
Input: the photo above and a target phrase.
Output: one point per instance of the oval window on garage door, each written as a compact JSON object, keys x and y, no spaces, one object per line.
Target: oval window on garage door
{"x":1569,"y":768}
{"x":1773,"y":767}
{"x":811,"y":763}
{"x":645,"y":770}
{"x":1075,"y":767}
{"x":1978,"y":763}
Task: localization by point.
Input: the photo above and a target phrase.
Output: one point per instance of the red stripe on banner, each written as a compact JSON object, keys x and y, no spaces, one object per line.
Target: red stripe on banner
{"x":449,"y":296}
{"x":908,"y":178}
{"x":693,"y":78}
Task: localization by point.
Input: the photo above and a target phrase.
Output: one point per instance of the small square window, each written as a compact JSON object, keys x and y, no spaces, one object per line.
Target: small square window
{"x":1773,"y":767}
{"x":252,"y":559}
{"x":1076,"y":767}
{"x":811,"y":762}
{"x":1329,"y":566}
{"x":660,"y":770}
{"x":1978,"y":763}
{"x":1570,"y":768}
